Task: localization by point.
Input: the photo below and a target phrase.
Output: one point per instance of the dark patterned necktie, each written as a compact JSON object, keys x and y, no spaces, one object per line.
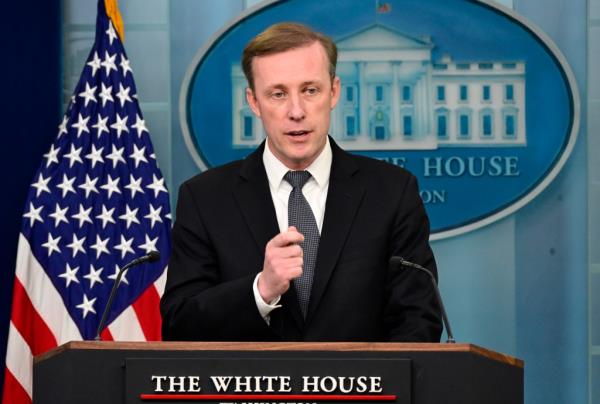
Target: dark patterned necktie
{"x":301,"y":216}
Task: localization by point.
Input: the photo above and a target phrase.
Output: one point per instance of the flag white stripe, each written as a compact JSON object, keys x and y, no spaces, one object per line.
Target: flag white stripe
{"x":45,"y":298}
{"x":19,"y":359}
{"x":126,"y":327}
{"x":160,"y":283}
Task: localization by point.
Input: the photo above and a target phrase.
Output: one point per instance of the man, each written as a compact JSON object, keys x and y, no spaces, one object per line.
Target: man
{"x":293,"y":242}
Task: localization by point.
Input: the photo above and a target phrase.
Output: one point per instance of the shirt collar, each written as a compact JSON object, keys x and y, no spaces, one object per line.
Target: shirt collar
{"x":319,"y":169}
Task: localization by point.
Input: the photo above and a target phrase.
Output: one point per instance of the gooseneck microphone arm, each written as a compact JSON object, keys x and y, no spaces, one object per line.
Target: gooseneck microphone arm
{"x":152,"y":256}
{"x":401,"y":262}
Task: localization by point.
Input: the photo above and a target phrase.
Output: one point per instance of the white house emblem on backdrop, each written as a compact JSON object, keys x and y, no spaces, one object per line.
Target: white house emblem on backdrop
{"x":473,"y":99}
{"x":395,"y":97}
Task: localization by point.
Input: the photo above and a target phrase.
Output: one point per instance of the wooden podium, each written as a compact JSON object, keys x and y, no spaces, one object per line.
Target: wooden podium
{"x":183,"y":372}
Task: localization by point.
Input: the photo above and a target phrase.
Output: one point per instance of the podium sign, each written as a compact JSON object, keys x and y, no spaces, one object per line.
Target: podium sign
{"x":259,"y":380}
{"x":95,"y":372}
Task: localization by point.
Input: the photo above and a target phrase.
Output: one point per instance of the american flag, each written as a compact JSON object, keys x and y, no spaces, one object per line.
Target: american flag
{"x":97,"y":202}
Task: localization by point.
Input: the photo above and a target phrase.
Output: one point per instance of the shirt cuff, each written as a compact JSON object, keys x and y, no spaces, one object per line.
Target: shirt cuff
{"x":264,"y":308}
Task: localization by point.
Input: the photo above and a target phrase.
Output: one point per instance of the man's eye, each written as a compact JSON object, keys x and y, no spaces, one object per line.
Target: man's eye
{"x":311,"y":90}
{"x":278,"y":94}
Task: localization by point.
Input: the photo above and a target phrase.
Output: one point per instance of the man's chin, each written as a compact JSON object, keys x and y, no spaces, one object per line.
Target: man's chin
{"x":299,"y":161}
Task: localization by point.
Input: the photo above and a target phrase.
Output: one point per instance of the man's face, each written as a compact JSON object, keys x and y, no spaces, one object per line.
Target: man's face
{"x":293,"y":96}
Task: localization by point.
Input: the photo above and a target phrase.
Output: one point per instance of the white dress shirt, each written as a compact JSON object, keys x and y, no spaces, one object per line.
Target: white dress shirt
{"x":315,"y":192}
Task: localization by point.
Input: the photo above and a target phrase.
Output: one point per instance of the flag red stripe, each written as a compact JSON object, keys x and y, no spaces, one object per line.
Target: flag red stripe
{"x":146,"y":308}
{"x":13,"y":392}
{"x":106,"y":335}
{"x":29,"y":323}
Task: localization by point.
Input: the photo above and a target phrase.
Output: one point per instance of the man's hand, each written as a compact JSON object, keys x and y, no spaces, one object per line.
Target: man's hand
{"x":283,"y":263}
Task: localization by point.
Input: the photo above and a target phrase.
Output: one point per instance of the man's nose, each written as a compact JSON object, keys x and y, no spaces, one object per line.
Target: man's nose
{"x":296,"y":111}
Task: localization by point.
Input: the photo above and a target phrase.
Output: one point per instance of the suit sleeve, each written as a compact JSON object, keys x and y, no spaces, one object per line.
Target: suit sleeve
{"x":196,"y":304}
{"x":412,"y":313}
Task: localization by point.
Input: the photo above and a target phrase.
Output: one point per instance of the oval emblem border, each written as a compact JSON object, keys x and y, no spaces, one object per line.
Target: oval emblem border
{"x":476,"y":223}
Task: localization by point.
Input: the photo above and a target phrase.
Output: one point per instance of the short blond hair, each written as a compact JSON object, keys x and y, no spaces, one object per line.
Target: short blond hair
{"x":282,"y":37}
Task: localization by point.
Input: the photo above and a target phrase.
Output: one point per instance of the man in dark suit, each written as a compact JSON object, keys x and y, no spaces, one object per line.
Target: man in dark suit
{"x":293,"y":242}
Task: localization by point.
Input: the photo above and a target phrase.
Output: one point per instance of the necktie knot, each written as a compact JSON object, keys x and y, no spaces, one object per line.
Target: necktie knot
{"x":297,"y":178}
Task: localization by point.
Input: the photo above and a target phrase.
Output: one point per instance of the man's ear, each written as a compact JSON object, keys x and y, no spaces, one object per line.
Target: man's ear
{"x":252,"y":101}
{"x":335,"y":91}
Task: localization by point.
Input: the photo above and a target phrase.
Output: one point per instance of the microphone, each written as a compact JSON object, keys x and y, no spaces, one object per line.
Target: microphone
{"x":402,"y":263}
{"x":152,"y":256}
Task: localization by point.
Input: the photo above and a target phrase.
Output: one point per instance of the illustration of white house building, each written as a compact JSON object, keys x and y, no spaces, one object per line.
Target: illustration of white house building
{"x":394,"y":97}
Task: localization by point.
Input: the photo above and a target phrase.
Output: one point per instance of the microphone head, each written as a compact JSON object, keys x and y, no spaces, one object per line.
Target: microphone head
{"x":397,"y":260}
{"x":153,"y":256}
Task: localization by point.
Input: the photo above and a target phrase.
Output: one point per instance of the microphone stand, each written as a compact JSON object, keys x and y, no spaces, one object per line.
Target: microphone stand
{"x":152,"y":256}
{"x":404,"y":263}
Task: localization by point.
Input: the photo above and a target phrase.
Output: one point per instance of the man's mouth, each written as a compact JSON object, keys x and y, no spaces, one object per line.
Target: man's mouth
{"x":297,"y":132}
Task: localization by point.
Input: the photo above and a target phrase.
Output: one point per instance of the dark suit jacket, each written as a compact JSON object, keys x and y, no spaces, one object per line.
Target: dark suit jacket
{"x":225,"y":217}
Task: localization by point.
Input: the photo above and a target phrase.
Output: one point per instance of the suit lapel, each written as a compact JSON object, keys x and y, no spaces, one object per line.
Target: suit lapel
{"x":253,"y":197}
{"x":343,"y":199}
